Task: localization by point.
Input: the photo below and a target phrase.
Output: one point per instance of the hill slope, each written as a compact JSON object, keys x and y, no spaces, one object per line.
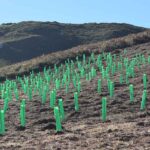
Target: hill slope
{"x":127,"y":122}
{"x":25,"y":40}
{"x":113,"y":45}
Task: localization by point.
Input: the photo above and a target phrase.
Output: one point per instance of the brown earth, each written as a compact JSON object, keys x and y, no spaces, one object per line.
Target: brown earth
{"x":126,"y":128}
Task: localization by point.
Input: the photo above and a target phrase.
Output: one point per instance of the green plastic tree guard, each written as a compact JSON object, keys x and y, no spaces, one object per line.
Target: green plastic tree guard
{"x":58,"y":120}
{"x":2,"y":122}
{"x":61,"y":107}
{"x":76,"y":101}
{"x":104,"y":109}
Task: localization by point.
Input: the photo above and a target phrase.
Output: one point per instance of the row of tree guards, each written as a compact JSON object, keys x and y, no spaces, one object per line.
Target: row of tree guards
{"x":52,"y":80}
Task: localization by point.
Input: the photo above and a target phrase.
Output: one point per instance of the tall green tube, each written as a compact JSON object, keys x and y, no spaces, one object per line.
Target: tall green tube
{"x":2,"y":122}
{"x":145,"y":81}
{"x":22,"y":114}
{"x":104,"y":109}
{"x":58,"y":120}
{"x":99,"y":86}
{"x":61,"y":107}
{"x":131,"y":93}
{"x":143,"y":102}
{"x":111,"y":88}
{"x":76,"y":101}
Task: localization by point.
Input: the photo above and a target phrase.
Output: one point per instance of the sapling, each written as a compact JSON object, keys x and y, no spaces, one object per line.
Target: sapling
{"x":57,"y":83}
{"x":143,"y":102}
{"x":104,"y":109}
{"x":61,"y":107}
{"x":99,"y":86}
{"x":93,"y":72}
{"x":79,"y":87}
{"x":52,"y":99}
{"x":111,"y":88}
{"x":2,"y":122}
{"x":131,"y":93}
{"x":58,"y":119}
{"x":145,"y":81}
{"x":76,"y":101}
{"x":127,"y":77}
{"x":82,"y":72}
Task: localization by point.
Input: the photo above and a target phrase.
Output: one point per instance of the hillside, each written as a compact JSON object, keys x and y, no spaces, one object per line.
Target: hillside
{"x":121,"y":122}
{"x":37,"y":64}
{"x":26,"y":40}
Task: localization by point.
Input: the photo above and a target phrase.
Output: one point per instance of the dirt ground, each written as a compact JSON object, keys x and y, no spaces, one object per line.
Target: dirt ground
{"x":126,"y":128}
